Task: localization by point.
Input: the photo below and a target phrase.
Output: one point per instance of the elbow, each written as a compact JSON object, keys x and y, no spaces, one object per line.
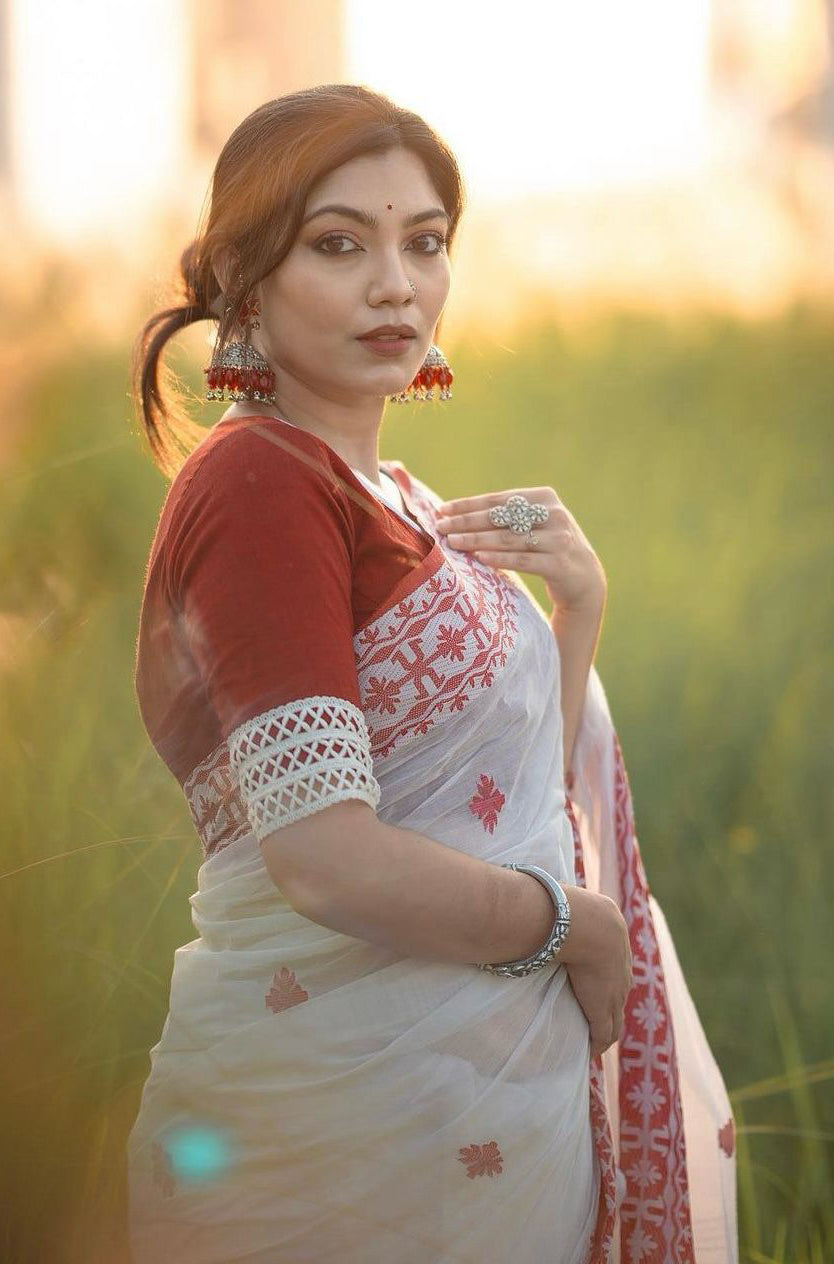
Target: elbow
{"x":313,"y":860}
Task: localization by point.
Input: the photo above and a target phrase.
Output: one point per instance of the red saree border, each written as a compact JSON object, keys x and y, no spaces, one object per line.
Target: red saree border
{"x":418,"y":574}
{"x":655,"y":1214}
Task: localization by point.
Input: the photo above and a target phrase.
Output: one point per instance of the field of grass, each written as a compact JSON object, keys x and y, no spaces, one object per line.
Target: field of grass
{"x":697,"y":457}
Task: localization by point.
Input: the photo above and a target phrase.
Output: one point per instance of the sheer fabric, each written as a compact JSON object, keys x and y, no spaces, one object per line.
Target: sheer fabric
{"x":315,"y":1097}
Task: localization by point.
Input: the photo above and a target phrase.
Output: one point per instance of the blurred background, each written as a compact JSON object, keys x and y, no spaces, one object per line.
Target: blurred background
{"x":641,"y":314}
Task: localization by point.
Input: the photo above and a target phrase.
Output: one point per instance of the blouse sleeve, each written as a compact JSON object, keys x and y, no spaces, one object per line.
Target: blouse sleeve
{"x":261,"y":579}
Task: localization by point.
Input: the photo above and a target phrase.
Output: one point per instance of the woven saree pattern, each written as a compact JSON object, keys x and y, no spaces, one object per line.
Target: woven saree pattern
{"x":330,"y":1097}
{"x":300,"y":757}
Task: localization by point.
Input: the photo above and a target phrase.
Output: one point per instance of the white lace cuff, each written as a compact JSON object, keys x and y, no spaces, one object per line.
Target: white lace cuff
{"x":300,"y":757}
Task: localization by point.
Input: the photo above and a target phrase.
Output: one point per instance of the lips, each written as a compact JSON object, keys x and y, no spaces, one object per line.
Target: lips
{"x":384,"y":332}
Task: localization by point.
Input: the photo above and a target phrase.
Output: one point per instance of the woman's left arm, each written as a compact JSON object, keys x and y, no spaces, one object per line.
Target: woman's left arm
{"x":574,"y":579}
{"x":577,"y":630}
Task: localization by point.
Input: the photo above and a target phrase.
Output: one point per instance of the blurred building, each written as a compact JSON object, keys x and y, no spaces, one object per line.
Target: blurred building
{"x":245,"y":52}
{"x":739,"y":217}
{"x":106,"y":153}
{"x":749,"y":226}
{"x":5,"y":101}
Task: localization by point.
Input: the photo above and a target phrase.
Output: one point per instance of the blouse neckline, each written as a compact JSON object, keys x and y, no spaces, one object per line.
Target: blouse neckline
{"x":389,"y":467}
{"x":378,"y":491}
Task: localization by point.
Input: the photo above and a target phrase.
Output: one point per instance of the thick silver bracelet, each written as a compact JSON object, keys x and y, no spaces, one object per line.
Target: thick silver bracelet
{"x":547,"y":953}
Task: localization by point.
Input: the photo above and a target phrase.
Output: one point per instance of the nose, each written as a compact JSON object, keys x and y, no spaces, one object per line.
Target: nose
{"x":391,"y":283}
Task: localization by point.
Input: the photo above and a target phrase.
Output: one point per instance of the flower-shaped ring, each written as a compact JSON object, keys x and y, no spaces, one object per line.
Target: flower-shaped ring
{"x":519,"y":514}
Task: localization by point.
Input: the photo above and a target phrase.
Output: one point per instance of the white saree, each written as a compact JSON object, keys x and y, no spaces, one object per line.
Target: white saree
{"x":315,"y":1098}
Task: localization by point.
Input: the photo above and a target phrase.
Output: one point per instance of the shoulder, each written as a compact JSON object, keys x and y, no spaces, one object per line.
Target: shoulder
{"x":260,"y":469}
{"x":252,"y":484}
{"x":260,"y":453}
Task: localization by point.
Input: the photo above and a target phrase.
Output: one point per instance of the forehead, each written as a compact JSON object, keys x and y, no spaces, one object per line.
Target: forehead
{"x":397,"y":176}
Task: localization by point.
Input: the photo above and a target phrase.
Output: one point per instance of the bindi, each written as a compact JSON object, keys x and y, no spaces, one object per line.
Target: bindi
{"x":390,"y":207}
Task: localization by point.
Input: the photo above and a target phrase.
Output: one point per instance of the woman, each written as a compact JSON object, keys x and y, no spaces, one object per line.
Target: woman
{"x":372,"y":719}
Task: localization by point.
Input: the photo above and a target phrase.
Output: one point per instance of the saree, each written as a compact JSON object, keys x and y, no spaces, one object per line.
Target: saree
{"x":317,"y":1097}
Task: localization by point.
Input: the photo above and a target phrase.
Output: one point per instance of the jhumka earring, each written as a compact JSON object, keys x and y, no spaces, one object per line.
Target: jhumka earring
{"x":434,"y":371}
{"x":241,"y":369}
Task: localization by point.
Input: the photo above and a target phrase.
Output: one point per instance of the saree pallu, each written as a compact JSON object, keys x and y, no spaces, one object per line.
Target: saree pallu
{"x":316,"y":1098}
{"x":670,"y":1117}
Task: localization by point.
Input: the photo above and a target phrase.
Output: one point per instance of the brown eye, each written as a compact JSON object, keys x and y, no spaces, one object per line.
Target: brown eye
{"x":333,"y":237}
{"x":438,"y":237}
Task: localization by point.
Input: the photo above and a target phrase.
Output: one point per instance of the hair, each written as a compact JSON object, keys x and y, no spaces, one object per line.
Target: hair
{"x":258,"y":195}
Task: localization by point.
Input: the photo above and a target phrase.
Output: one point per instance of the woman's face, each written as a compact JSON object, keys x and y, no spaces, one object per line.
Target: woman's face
{"x":343,"y":278}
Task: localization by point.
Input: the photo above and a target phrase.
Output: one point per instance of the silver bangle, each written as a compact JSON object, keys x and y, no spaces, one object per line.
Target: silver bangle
{"x":547,"y":953}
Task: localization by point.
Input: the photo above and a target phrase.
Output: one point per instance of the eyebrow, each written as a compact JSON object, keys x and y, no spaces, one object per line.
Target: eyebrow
{"x":371,"y":221}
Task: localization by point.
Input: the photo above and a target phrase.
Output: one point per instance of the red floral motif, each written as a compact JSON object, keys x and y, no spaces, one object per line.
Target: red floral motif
{"x":726,"y":1137}
{"x":655,"y":1223}
{"x":602,"y":1236}
{"x":284,"y":991}
{"x":451,"y":642}
{"x":382,"y":694}
{"x":426,"y":653}
{"x":487,"y":802}
{"x":482,"y":1160}
{"x":162,"y":1175}
{"x":214,"y":797}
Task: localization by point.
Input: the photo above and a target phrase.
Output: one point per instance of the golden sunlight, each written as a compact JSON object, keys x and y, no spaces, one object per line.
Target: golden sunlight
{"x":659,"y":154}
{"x":97,"y":101}
{"x":537,"y":98}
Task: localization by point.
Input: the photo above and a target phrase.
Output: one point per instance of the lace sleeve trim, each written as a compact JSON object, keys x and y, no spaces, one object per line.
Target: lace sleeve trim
{"x":301,"y":757}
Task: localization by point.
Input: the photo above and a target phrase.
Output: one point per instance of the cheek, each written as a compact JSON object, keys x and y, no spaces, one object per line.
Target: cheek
{"x":306,"y":304}
{"x":436,"y":284}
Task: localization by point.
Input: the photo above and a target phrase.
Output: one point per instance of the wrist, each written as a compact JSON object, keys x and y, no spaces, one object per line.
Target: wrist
{"x":592,"y":602}
{"x":587,"y":608}
{"x":574,"y":950}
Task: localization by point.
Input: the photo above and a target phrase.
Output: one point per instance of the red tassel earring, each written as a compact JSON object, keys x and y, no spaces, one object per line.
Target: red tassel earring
{"x":241,"y":369}
{"x":434,"y":371}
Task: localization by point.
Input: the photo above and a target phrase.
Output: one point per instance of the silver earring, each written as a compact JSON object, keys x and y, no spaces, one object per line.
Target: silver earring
{"x":434,"y":371}
{"x":241,"y":369}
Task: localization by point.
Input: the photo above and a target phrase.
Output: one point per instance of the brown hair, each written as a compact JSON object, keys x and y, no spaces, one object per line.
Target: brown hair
{"x":259,"y":191}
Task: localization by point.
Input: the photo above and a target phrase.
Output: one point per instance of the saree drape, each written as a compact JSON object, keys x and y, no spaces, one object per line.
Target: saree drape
{"x":316,"y":1098}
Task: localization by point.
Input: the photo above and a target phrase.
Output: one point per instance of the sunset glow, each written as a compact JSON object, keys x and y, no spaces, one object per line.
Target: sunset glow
{"x":536,"y":98}
{"x":609,"y":152}
{"x":559,"y":97}
{"x":97,"y":107}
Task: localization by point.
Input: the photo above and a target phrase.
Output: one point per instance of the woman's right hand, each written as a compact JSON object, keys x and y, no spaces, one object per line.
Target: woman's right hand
{"x":597,"y":956}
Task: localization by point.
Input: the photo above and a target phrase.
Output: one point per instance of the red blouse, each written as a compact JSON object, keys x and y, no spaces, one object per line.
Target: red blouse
{"x":269,"y":555}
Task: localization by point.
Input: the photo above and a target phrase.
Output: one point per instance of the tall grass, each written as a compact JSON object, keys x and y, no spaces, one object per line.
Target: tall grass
{"x":697,"y":457}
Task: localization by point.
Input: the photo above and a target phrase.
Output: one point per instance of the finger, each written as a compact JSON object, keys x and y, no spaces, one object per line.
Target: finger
{"x":489,"y":499}
{"x":527,"y":561}
{"x":472,"y":513}
{"x":498,"y":539}
{"x":484,"y":501}
{"x":473,"y":520}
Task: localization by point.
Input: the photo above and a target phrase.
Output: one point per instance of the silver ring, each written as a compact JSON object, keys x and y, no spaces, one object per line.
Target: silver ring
{"x":519,"y":515}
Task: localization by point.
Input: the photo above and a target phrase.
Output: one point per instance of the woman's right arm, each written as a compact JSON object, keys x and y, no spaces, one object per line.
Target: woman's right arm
{"x":344,"y":868}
